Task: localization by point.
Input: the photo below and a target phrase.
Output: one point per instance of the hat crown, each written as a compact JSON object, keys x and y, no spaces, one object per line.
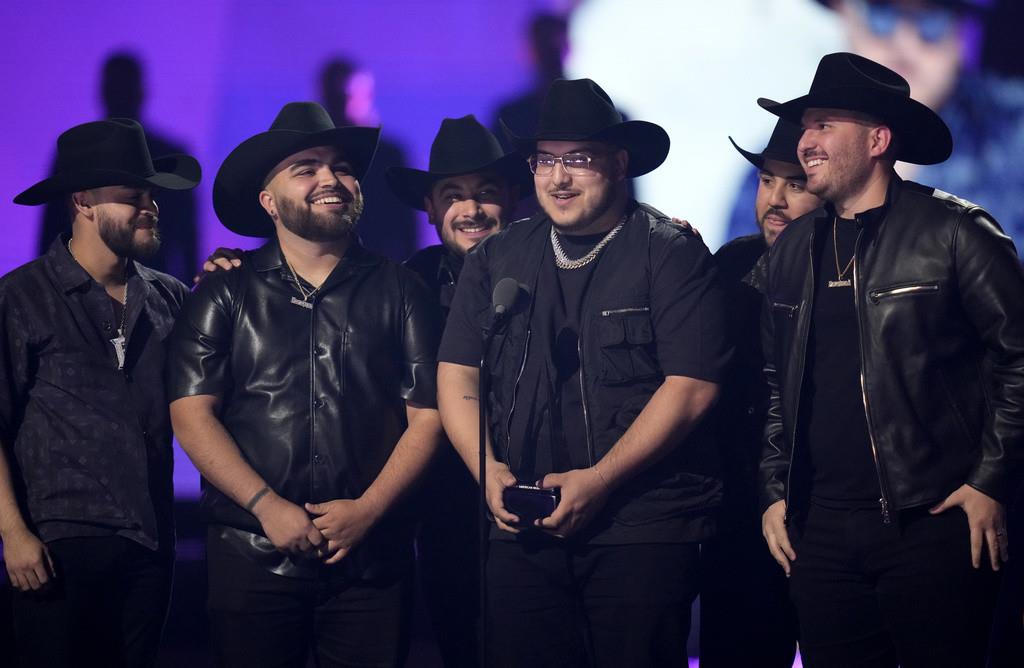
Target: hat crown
{"x":576,"y":107}
{"x":848,"y":70}
{"x":463,"y":144}
{"x":306,"y":117}
{"x":114,"y":144}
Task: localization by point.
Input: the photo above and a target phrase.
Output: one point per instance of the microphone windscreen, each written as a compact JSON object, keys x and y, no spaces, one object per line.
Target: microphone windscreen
{"x":505,"y":294}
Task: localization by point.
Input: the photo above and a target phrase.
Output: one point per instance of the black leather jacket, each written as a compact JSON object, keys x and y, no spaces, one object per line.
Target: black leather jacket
{"x":938,"y":291}
{"x":315,"y":397}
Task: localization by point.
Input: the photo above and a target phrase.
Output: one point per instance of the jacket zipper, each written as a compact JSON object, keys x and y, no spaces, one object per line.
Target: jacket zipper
{"x":512,"y":408}
{"x":883,"y":500}
{"x":583,"y":397}
{"x":631,"y":309}
{"x":800,"y":386}
{"x":877,"y":295}
{"x":790,"y":309}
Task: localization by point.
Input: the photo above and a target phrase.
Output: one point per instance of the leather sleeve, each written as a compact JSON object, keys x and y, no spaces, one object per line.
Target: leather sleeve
{"x":421,"y":333}
{"x":199,"y":348}
{"x":991,"y":284}
{"x":775,"y":455}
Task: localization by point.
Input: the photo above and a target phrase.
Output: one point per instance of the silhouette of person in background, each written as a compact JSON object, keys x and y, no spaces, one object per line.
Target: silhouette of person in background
{"x":549,"y":46}
{"x":386,"y":226}
{"x":936,"y":46}
{"x":123,"y":92}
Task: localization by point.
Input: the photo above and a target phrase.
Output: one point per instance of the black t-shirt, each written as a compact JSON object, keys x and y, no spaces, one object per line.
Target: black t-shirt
{"x":837,"y":442}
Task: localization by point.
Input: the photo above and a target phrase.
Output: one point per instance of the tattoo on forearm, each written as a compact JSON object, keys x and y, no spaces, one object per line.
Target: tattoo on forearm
{"x":469,"y":397}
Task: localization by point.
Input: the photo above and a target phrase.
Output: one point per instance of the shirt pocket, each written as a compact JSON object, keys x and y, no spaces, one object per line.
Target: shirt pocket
{"x":626,"y":338}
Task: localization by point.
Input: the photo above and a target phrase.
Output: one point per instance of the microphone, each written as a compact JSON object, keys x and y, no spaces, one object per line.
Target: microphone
{"x":506,"y":294}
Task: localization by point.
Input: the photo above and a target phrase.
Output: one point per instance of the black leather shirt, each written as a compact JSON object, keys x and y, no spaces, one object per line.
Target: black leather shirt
{"x":314,"y":394}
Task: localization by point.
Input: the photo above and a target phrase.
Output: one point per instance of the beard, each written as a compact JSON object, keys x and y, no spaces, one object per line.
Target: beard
{"x":303,"y":222}
{"x":120,"y":238}
{"x":582,"y":219}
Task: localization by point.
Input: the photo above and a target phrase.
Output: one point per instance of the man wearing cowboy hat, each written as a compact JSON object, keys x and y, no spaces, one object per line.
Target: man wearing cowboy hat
{"x":606,"y":363}
{"x":895,"y":357}
{"x":743,"y":592}
{"x":86,"y":490}
{"x":303,"y":389}
{"x":469,"y":192}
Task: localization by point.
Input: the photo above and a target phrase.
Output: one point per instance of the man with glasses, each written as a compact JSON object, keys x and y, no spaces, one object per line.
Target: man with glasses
{"x":602,"y":371}
{"x":936,"y":46}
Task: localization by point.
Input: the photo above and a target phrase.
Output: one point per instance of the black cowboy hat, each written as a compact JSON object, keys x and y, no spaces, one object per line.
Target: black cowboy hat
{"x":854,"y":83}
{"x":110,"y":153}
{"x":462,"y":146}
{"x":578,"y":110}
{"x":298,"y":126}
{"x":781,"y":146}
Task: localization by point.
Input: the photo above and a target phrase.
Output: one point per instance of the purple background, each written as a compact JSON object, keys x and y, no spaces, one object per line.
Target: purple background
{"x":218,"y":72}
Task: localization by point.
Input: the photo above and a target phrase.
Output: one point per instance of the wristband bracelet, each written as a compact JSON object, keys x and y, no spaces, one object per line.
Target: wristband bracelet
{"x":256,"y":498}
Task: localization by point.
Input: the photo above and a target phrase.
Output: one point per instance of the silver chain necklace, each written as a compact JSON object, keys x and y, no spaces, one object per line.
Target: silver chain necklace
{"x":563,"y":261}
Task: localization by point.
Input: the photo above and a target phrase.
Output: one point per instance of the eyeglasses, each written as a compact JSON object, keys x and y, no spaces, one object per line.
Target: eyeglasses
{"x":933,"y":24}
{"x":577,"y":164}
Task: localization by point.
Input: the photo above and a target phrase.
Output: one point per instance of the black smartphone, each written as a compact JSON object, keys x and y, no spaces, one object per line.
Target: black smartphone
{"x":530,"y":503}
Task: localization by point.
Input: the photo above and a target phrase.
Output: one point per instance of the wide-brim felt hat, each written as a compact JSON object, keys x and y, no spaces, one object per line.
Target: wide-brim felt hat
{"x":298,"y":126}
{"x":854,"y":83}
{"x":461,"y":146}
{"x":580,"y":110}
{"x":112,"y":152}
{"x":781,"y":146}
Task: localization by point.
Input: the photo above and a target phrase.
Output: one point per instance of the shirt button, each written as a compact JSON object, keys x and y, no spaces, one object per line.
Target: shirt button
{"x":318,"y":403}
{"x":106,"y":325}
{"x":317,"y":459}
{"x":750,"y":410}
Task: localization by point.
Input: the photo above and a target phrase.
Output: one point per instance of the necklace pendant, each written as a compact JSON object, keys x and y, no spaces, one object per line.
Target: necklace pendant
{"x":843,"y":283}
{"x":302,"y":303}
{"x":119,"y":346}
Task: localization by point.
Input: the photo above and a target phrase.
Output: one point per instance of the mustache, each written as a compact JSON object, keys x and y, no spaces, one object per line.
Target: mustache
{"x":777,"y":213}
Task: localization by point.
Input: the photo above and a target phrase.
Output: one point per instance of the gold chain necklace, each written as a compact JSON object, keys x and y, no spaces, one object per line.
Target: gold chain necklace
{"x":306,"y":296}
{"x":840,"y":282}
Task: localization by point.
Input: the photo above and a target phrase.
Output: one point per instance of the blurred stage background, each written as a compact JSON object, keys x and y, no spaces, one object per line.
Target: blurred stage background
{"x":217,"y":71}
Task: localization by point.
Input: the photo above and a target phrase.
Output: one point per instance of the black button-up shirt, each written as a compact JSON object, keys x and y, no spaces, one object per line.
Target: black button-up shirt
{"x":91,"y":444}
{"x":314,"y":393}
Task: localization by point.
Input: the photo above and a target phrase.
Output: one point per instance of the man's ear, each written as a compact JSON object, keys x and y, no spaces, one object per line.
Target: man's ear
{"x":621,"y":163}
{"x":881,"y":139}
{"x":268,"y":203}
{"x":80,"y":203}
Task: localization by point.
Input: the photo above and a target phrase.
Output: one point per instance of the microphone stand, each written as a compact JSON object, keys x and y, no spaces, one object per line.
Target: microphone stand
{"x":484,"y":524}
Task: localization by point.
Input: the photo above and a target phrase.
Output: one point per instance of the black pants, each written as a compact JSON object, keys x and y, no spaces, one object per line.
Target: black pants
{"x":447,"y":558}
{"x":605,"y":606}
{"x":746,"y":617}
{"x":105,"y":607}
{"x":870,"y":594}
{"x":259,"y":618}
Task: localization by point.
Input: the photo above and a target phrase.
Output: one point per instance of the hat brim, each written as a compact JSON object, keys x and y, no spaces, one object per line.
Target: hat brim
{"x":412,"y":186}
{"x":923,"y":138}
{"x":647,"y":144}
{"x":171,"y":172}
{"x":240,"y":177}
{"x":758,"y":159}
